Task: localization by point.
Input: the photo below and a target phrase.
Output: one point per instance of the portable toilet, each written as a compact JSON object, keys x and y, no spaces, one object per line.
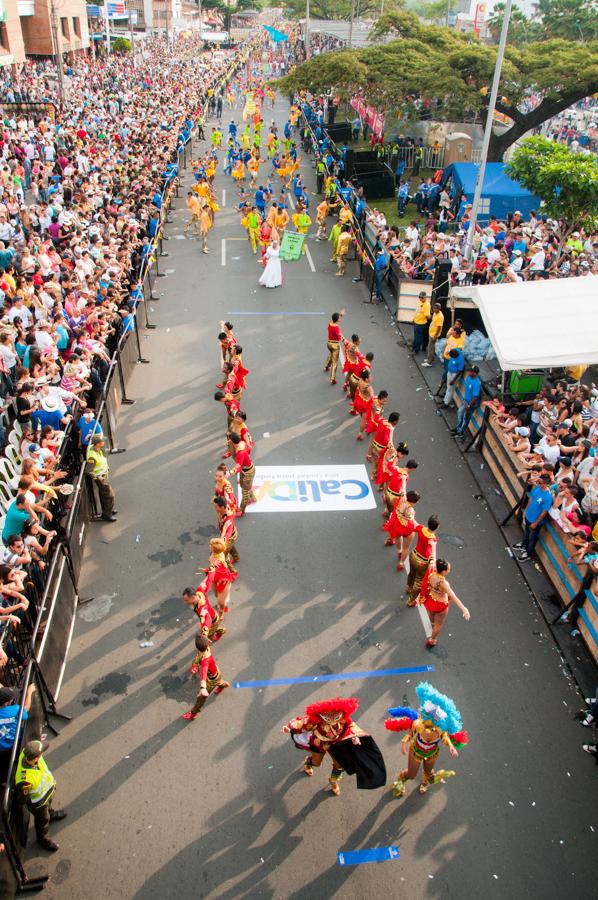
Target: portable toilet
{"x":458,"y":148}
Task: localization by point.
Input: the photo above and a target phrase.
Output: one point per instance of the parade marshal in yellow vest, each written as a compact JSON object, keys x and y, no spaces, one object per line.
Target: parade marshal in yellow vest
{"x":97,"y":467}
{"x":35,"y":786}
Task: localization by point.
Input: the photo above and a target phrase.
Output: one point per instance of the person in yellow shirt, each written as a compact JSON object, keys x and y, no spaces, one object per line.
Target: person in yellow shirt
{"x":455,"y":338}
{"x":253,"y":166}
{"x":194,"y":207}
{"x":252,"y":223}
{"x":342,"y":248}
{"x":205,"y":222}
{"x":321,"y":216}
{"x":434,"y":333}
{"x":302,"y":221}
{"x":345,"y":215}
{"x":282,"y":219}
{"x":420,"y":320}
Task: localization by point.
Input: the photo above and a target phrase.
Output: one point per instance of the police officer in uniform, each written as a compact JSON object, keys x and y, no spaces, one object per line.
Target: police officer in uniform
{"x":97,"y":467}
{"x":35,"y":786}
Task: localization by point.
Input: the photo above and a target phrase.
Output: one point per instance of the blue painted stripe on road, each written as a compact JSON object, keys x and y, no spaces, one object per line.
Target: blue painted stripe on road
{"x":374,"y":854}
{"x":342,"y":676}
{"x":286,"y":312}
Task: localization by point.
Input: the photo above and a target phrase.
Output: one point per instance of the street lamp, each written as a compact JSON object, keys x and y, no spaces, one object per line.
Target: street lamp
{"x":488,"y":129}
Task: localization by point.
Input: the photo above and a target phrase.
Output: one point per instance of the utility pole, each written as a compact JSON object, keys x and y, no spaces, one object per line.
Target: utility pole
{"x":107,"y":27}
{"x":307,"y":29}
{"x":57,"y":51}
{"x":350,"y":42}
{"x":132,"y":36}
{"x":488,"y":129}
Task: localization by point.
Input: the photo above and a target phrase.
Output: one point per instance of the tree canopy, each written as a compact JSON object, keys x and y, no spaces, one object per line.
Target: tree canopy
{"x":433,"y":62}
{"x":572,"y":20}
{"x":335,"y":9}
{"x":566,"y":181}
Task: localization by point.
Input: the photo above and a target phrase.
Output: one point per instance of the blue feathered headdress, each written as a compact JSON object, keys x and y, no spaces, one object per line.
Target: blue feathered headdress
{"x":439,"y":708}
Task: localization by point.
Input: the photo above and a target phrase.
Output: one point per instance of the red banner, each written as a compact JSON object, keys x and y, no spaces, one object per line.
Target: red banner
{"x":378,"y":124}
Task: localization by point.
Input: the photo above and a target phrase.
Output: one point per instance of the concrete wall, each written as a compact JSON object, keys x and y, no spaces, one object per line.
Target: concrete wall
{"x":13,"y":49}
{"x":37,"y":33}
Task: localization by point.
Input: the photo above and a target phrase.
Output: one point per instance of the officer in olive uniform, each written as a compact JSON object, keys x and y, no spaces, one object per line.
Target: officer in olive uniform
{"x":97,"y":467}
{"x":35,"y":786}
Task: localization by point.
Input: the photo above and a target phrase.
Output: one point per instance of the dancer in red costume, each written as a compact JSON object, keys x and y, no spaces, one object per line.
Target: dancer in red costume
{"x":361,"y":400}
{"x":209,"y":619}
{"x":396,"y":484}
{"x":382,"y":439}
{"x":437,"y":595}
{"x":219,"y":574}
{"x":210,"y":676}
{"x":327,"y":727}
{"x":374,"y":415}
{"x":401,"y":525}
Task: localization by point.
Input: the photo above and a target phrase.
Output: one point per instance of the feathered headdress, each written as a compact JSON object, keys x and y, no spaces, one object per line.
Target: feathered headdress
{"x":436,"y":707}
{"x":439,"y":708}
{"x":346,"y":705}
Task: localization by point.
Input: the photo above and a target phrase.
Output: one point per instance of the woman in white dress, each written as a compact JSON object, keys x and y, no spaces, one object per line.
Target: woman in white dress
{"x":271,"y":277}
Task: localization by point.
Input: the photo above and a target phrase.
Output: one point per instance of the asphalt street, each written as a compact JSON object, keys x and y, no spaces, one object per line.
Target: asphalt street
{"x":218,"y":808}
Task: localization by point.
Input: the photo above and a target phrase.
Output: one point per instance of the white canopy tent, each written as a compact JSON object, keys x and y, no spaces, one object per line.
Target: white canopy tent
{"x":539,"y":324}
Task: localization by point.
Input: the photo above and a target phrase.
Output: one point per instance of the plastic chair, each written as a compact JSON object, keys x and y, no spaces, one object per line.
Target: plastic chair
{"x":13,"y":457}
{"x":8,"y":475}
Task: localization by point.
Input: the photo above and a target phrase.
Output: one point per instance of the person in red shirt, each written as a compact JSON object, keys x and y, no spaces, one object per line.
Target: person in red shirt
{"x":239,"y":427}
{"x":381,"y":440}
{"x":374,"y":415}
{"x":220,"y":574}
{"x":230,"y":404}
{"x":353,"y":358}
{"x":335,"y":336}
{"x":210,"y":676}
{"x":238,"y":367}
{"x":245,"y":469}
{"x":437,"y":595}
{"x":363,"y":396}
{"x":209,"y":620}
{"x":223,"y":488}
{"x":396,"y":486}
{"x":421,"y":558}
{"x":228,"y":530}
{"x":401,"y":525}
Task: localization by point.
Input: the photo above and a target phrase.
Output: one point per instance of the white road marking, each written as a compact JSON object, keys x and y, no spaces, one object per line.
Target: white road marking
{"x":309,"y":259}
{"x":223,"y":252}
{"x":223,"y":197}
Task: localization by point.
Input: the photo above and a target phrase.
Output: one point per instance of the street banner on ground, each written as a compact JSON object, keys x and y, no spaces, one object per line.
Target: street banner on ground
{"x":291,"y":245}
{"x":324,"y":488}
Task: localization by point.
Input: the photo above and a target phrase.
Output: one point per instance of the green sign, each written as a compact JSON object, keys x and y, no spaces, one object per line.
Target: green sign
{"x":290,"y":247}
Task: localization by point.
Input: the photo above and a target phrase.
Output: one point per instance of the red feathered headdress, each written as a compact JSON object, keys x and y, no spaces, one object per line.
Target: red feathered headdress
{"x":346,"y":705}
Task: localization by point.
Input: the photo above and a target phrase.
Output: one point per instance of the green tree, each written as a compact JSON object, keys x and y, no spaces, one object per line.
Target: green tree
{"x":522,"y":30}
{"x":566,"y":181}
{"x":573,"y":20}
{"x":438,"y":63}
{"x":121,"y":45}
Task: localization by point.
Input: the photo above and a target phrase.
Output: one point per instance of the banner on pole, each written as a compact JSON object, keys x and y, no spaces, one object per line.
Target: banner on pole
{"x":291,"y":246}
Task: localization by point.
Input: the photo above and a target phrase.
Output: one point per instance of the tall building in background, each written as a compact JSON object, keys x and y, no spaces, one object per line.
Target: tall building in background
{"x":41,"y":28}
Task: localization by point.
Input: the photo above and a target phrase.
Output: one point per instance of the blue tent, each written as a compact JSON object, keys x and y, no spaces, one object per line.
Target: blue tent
{"x":500,"y":195}
{"x":275,"y":35}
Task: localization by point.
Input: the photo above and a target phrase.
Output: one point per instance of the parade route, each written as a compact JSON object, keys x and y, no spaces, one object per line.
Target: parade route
{"x":160,"y":808}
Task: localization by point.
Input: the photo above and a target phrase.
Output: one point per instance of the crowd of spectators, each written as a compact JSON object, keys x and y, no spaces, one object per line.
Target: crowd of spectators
{"x":518,"y":249}
{"x":554,"y":440}
{"x":80,"y":197}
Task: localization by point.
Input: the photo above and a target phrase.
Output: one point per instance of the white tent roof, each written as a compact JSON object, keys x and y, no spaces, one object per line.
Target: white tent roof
{"x":540,"y":324}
